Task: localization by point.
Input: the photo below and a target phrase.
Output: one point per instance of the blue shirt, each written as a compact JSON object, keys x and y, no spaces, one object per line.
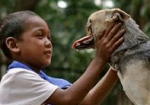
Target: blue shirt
{"x":61,"y":83}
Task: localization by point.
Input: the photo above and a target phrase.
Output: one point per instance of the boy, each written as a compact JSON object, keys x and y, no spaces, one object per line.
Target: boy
{"x":25,"y":39}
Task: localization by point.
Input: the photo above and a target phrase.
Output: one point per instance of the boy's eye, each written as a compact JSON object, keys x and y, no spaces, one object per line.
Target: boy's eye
{"x":48,"y":37}
{"x":40,"y":35}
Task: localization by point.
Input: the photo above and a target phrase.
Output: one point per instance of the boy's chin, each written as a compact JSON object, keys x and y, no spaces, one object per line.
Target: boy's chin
{"x":46,"y":64}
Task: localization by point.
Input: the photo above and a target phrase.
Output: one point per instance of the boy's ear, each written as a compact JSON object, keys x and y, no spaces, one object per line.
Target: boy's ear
{"x":12,"y":44}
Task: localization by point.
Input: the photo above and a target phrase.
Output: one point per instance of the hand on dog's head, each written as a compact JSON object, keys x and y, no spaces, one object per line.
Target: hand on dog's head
{"x":97,"y":23}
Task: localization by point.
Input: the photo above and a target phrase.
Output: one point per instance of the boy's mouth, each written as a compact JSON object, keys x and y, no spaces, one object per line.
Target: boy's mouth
{"x":84,"y":43}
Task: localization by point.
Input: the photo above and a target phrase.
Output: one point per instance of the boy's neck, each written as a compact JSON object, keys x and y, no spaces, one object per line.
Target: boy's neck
{"x":37,"y":70}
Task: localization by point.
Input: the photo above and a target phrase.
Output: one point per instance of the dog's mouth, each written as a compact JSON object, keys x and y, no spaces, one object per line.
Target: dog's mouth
{"x":84,"y":43}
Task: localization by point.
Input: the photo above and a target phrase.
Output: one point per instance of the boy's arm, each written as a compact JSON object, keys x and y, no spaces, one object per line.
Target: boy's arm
{"x":101,"y":89}
{"x":78,"y":90}
{"x":75,"y":94}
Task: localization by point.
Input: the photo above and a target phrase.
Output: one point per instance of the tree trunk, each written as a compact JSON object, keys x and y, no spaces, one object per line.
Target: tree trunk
{"x":25,"y":5}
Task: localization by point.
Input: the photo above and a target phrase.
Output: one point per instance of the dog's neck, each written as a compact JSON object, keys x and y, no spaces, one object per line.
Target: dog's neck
{"x":133,"y":36}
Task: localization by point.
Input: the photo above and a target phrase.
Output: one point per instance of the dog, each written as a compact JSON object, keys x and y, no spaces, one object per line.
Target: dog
{"x":131,"y":59}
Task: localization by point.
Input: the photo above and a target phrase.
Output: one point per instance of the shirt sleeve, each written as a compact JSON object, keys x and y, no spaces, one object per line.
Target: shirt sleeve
{"x":26,"y":88}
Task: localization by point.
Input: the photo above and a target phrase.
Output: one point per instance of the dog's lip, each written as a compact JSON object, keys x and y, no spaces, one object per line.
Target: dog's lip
{"x":83,"y":42}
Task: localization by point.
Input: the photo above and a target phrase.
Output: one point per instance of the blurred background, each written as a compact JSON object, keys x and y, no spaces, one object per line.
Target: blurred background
{"x":67,"y":21}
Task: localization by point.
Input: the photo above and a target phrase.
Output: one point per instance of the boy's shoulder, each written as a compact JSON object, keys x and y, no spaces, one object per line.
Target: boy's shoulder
{"x":27,"y":85}
{"x":20,"y":71}
{"x":19,"y":75}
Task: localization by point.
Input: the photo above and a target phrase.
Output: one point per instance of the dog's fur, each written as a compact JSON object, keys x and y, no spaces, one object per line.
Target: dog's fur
{"x":131,"y":59}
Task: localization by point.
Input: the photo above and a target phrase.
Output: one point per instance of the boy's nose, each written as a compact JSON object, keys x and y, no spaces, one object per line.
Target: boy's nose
{"x":48,"y":43}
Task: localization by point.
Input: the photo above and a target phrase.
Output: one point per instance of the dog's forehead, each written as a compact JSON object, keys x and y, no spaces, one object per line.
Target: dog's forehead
{"x":101,"y":14}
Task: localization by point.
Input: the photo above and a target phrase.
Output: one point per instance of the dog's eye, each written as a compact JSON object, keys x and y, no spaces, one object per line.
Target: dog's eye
{"x":90,"y":21}
{"x":89,"y":30}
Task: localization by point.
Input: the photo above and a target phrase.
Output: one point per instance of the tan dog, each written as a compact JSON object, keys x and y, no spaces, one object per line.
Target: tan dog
{"x":131,"y":59}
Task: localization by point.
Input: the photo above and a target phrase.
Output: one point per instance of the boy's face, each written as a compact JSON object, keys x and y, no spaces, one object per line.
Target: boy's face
{"x":35,"y":45}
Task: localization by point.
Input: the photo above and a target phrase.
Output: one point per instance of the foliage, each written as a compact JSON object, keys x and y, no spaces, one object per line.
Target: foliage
{"x":68,"y":24}
{"x":139,"y":10}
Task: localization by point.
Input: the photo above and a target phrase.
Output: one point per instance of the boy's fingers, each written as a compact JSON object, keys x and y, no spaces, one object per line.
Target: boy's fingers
{"x":117,"y":44}
{"x":101,"y":35}
{"x":109,"y":29}
{"x":114,"y":30}
{"x":117,"y":36}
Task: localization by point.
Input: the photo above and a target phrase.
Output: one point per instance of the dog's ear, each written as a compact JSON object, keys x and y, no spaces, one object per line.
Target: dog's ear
{"x":120,"y":15}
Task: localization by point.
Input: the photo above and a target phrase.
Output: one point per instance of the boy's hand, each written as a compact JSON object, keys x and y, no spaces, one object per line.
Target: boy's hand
{"x":108,"y":41}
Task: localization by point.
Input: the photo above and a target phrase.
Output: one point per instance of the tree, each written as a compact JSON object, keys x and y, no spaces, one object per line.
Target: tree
{"x":68,"y":24}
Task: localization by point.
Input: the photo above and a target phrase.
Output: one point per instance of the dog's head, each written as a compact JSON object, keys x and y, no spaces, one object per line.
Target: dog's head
{"x":98,"y":22}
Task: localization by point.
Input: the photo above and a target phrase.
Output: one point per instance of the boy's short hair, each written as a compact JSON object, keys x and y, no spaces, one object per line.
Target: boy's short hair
{"x":13,"y":26}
